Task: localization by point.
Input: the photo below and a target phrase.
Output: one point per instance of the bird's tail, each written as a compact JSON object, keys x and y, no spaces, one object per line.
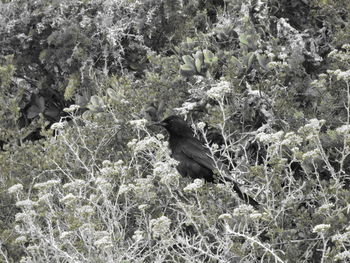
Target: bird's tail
{"x":246,"y":198}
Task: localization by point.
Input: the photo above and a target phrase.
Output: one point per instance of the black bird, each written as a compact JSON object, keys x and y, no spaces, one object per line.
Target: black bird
{"x":194,"y":159}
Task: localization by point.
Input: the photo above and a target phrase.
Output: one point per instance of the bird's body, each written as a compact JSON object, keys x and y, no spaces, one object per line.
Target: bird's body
{"x":194,"y":159}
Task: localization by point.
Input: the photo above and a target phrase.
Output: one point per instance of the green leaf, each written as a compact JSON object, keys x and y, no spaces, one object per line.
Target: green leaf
{"x":250,"y":59}
{"x":186,"y":70}
{"x":33,"y":111}
{"x":112,"y":94}
{"x":40,"y":102}
{"x":71,"y":87}
{"x":208,"y":55}
{"x":215,"y":59}
{"x":52,"y":112}
{"x":199,"y":55}
{"x":37,"y":107}
{"x":262,"y":60}
{"x":198,"y":63}
{"x":236,"y":62}
{"x":188,"y":59}
{"x":96,"y":101}
{"x":189,"y":40}
{"x":87,"y":115}
{"x":243,"y":40}
{"x":96,"y":104}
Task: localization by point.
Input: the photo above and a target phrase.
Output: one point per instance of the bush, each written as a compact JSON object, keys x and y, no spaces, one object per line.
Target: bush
{"x":85,"y":177}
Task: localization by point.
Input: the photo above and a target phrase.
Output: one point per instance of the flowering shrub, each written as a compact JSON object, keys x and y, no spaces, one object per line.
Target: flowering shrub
{"x":86,"y":177}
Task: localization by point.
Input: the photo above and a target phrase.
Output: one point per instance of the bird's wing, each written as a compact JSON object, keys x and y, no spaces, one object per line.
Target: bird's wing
{"x":194,"y":150}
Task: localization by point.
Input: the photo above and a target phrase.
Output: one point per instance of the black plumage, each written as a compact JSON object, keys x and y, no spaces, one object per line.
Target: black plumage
{"x":194,"y":159}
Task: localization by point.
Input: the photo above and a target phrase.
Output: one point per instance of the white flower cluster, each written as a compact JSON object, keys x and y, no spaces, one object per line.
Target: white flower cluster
{"x":201,"y":125}
{"x":66,"y":235}
{"x":292,"y":140}
{"x":138,"y":124}
{"x":21,"y":239}
{"x":343,"y":256}
{"x":319,"y":83}
{"x":104,"y":242}
{"x":311,"y":154}
{"x":45,"y":198}
{"x":333,"y":53}
{"x":138,"y":235}
{"x":106,"y":163}
{"x":85,"y":21}
{"x":143,"y":207}
{"x":15,"y":189}
{"x":46,"y":185}
{"x":76,"y":184}
{"x":344,"y":129}
{"x":160,"y":136}
{"x":124,"y":189}
{"x":214,"y":147}
{"x":321,"y":228}
{"x":186,"y":107}
{"x":312,"y":127}
{"x":166,"y":171}
{"x":342,"y":75}
{"x":25,"y":216}
{"x":270,"y":138}
{"x":282,"y":55}
{"x":225,"y":216}
{"x":285,"y":29}
{"x":277,"y":65}
{"x":72,"y":108}
{"x":118,"y":163}
{"x":243,"y":210}
{"x":87,"y":228}
{"x":58,"y":125}
{"x":195,"y":186}
{"x":144,"y":188}
{"x":325,"y":207}
{"x":219,"y":90}
{"x":295,"y":39}
{"x":255,"y":215}
{"x":108,"y":171}
{"x":86,"y":210}
{"x":40,"y":27}
{"x":131,"y":144}
{"x":25,"y":203}
{"x":346,"y":46}
{"x":102,"y":184}
{"x":20,"y":217}
{"x":340,"y":55}
{"x":271,"y":55}
{"x":345,"y":237}
{"x":69,"y":199}
{"x":160,"y":226}
{"x":145,"y":144}
{"x":32,"y":249}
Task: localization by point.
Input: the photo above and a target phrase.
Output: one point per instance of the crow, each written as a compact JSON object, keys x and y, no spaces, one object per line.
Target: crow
{"x":193,"y":157}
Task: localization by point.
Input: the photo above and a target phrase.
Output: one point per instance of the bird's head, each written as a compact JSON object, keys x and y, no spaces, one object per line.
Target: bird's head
{"x":176,"y":126}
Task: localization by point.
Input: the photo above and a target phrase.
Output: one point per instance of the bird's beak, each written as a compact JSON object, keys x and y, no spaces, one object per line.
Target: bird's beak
{"x":160,"y":123}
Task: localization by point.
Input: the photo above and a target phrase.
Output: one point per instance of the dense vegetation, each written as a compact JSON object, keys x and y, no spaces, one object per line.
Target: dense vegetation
{"x":85,"y":178}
